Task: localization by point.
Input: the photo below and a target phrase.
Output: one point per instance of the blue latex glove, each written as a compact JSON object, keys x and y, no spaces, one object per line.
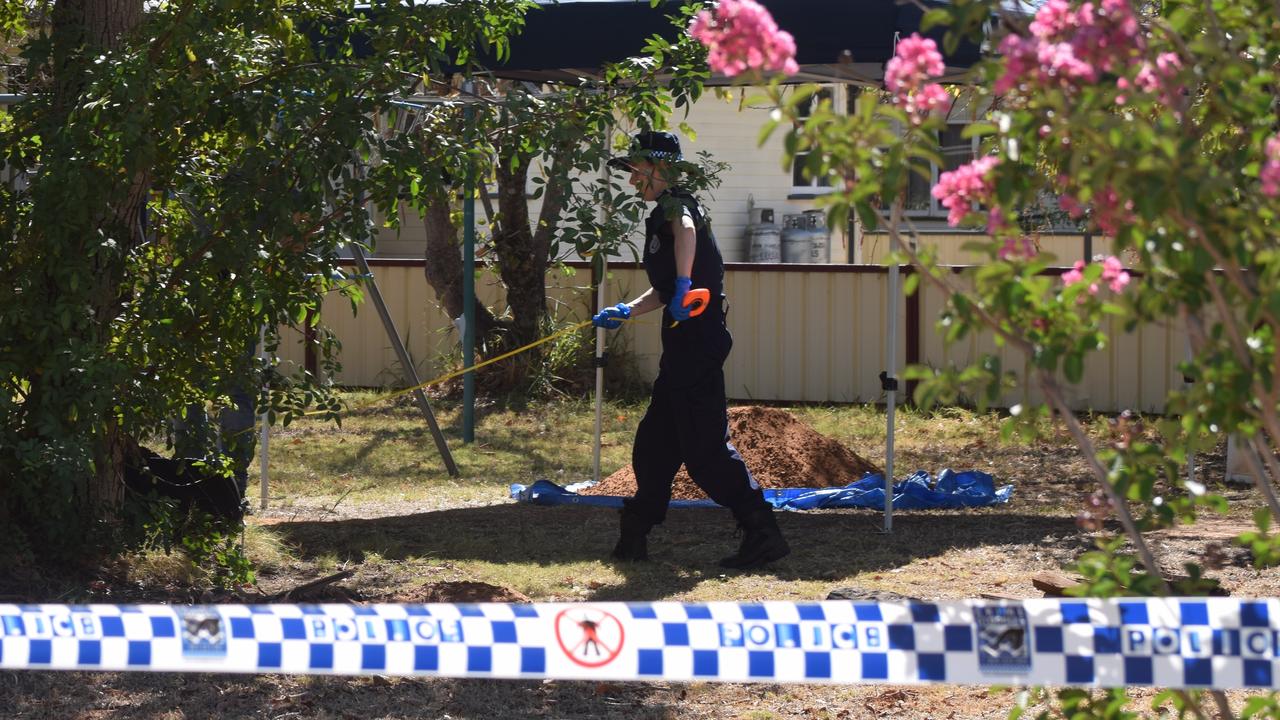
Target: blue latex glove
{"x":611,"y":318}
{"x":679,"y":312}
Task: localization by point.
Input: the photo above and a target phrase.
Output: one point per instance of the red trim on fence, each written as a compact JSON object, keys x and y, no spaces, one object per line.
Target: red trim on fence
{"x":913,"y":333}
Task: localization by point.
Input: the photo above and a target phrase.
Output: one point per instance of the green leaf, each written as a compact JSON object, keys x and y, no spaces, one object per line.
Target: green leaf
{"x":1262,"y":519}
{"x":934,"y":18}
{"x":910,"y":283}
{"x":1073,"y":367}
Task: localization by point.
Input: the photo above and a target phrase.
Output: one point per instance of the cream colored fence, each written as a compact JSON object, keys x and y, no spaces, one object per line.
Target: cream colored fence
{"x":1067,"y":249}
{"x":812,"y":333}
{"x":1135,"y":371}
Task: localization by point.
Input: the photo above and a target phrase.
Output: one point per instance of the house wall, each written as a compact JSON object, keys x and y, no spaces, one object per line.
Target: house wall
{"x":728,"y":130}
{"x":801,"y":333}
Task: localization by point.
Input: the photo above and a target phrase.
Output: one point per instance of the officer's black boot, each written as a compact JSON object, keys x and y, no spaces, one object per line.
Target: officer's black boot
{"x":762,"y":541}
{"x":632,"y":543}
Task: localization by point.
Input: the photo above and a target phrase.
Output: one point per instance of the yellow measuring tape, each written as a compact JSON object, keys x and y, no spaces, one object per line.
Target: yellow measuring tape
{"x":451,"y":375}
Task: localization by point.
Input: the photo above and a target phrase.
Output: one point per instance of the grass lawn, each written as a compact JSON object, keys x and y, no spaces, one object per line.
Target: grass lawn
{"x":372,"y":497}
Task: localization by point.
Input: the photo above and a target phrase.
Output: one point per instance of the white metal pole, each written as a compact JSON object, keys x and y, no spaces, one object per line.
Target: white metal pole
{"x":600,"y":290}
{"x":890,"y":385}
{"x":602,"y":215}
{"x":264,"y":440}
{"x":889,"y":379}
{"x":1191,"y":456}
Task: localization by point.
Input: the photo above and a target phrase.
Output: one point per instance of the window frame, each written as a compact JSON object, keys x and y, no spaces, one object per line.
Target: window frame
{"x":838,"y":94}
{"x":936,"y":210}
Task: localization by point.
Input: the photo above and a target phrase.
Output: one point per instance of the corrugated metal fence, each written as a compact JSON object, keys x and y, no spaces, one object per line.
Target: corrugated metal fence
{"x":813,"y":333}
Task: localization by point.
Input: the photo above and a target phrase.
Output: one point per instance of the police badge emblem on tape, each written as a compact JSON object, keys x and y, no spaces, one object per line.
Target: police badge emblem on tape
{"x":1004,"y":639}
{"x":203,"y":632}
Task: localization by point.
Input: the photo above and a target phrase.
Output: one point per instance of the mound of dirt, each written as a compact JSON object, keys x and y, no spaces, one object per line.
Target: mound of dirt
{"x":459,"y":591}
{"x":779,"y":449}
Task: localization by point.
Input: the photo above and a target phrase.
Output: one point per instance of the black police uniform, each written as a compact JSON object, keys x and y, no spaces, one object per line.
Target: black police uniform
{"x":687,"y":419}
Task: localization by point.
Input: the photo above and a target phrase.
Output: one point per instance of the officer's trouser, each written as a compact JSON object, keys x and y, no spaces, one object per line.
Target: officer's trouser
{"x":689,"y":424}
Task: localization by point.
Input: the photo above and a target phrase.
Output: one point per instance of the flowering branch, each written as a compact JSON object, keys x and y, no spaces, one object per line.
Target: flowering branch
{"x":1053,"y":394}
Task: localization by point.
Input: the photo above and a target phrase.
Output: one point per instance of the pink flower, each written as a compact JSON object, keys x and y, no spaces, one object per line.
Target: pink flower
{"x":1114,"y":274}
{"x":967,"y":184}
{"x":1054,"y":17}
{"x":1152,"y":77}
{"x":1111,"y":211}
{"x":1020,"y":62}
{"x":916,"y":60}
{"x":1059,"y":62}
{"x":1071,"y":206}
{"x":1022,"y":248}
{"x":742,"y":36}
{"x":1270,"y":174}
{"x":1074,"y":275}
{"x":928,"y":100}
{"x":1160,"y":79}
{"x":1068,"y":47}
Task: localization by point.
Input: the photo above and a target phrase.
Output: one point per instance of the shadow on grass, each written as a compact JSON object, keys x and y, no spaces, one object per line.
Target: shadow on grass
{"x":684,"y":551}
{"x":375,"y":441}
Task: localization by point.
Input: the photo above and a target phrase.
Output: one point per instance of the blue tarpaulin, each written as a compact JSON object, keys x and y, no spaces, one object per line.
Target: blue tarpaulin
{"x":970,"y":488}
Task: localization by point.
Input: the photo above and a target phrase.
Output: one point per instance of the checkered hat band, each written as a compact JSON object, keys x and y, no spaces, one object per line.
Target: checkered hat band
{"x":1217,"y":643}
{"x":658,"y":155}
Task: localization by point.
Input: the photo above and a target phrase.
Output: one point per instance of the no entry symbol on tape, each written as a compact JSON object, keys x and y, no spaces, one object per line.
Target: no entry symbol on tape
{"x":589,"y":637}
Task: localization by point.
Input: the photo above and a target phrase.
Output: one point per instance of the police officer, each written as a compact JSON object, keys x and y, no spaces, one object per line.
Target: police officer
{"x":687,"y":419}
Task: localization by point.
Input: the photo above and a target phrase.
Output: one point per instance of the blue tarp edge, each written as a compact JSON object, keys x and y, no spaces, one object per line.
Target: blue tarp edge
{"x":919,"y":491}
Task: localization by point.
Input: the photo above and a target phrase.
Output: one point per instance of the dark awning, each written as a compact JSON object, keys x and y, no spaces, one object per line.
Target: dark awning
{"x":835,"y":39}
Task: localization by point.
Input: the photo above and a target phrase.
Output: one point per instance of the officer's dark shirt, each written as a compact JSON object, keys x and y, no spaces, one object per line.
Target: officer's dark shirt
{"x":701,"y":343}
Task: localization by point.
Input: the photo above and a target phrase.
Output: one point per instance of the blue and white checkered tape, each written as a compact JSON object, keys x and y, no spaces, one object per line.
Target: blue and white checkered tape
{"x":1168,"y":642}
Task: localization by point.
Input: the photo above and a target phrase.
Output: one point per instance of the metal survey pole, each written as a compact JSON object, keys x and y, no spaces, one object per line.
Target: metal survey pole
{"x":265,"y":438}
{"x":600,"y":362}
{"x":469,"y":292}
{"x":406,"y":362}
{"x":889,"y":378}
{"x":601,"y":277}
{"x":889,"y":382}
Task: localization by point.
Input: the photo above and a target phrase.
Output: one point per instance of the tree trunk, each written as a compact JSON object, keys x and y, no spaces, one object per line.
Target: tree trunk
{"x":522,"y":267}
{"x":523,"y":256}
{"x":524,"y":250}
{"x":81,"y":31}
{"x":443,"y":266}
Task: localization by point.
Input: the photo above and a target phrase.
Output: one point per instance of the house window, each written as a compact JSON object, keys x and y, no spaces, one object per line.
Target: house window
{"x":801,"y":183}
{"x":956,"y":150}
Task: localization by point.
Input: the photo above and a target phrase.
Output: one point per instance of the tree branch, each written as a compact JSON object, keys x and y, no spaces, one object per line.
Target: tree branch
{"x":1260,"y":450}
{"x":1052,"y":393}
{"x":992,"y":322}
{"x":1050,"y":387}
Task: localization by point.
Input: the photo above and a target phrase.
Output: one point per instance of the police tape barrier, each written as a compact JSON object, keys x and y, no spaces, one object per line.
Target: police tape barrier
{"x":1169,"y":642}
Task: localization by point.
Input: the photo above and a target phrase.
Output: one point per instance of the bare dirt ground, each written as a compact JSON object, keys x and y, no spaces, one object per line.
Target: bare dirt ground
{"x":930,"y":556}
{"x":412,"y":550}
